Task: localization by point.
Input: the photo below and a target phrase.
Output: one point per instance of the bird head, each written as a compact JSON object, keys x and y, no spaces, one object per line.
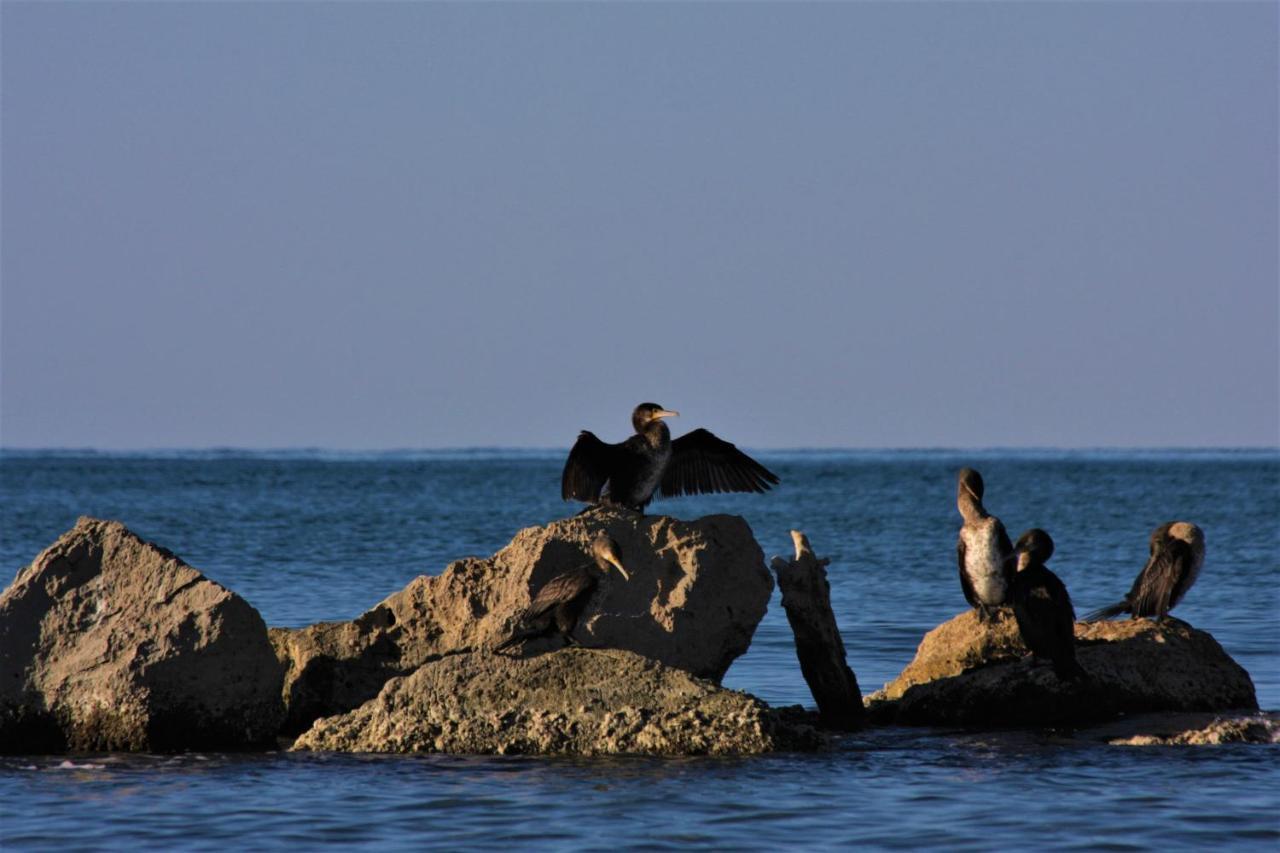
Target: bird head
{"x":605,"y":551}
{"x":646,"y":413}
{"x":1033,"y":546}
{"x":969,"y":481}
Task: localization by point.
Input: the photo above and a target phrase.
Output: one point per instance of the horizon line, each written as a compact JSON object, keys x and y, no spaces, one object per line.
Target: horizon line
{"x":504,"y":448}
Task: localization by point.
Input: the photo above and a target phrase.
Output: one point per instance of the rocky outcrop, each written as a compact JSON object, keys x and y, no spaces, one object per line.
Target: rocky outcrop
{"x":967,"y":673}
{"x":573,"y":701}
{"x":110,"y":643}
{"x":697,"y":591}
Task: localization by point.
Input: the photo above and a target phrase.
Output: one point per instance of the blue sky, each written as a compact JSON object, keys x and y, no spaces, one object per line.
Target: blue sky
{"x":802,"y":225}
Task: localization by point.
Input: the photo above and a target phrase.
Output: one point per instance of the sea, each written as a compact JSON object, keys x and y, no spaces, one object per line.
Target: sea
{"x":312,"y":535}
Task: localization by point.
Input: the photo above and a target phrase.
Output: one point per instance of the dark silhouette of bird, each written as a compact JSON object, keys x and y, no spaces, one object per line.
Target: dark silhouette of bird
{"x":629,"y":473}
{"x":558,"y":604}
{"x":1042,"y":607}
{"x":982,"y":549}
{"x":1177,"y":553}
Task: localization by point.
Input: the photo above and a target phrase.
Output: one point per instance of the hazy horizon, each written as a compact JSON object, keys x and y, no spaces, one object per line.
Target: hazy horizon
{"x":827,"y":226}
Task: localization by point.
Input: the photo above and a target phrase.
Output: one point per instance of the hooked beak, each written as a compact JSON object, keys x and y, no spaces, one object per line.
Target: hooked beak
{"x":613,"y":561}
{"x":663,"y":413}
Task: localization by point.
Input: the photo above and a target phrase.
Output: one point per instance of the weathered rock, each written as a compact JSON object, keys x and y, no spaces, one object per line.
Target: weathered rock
{"x":1187,"y":728}
{"x":571,"y":701}
{"x":967,"y":673}
{"x":110,"y":643}
{"x":1260,"y":728}
{"x":697,"y":591}
{"x":806,"y":596}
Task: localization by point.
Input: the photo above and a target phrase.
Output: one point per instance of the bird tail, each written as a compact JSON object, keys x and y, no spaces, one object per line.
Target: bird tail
{"x":1107,"y":612}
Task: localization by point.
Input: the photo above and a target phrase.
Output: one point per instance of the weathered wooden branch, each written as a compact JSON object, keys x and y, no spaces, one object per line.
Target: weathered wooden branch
{"x":806,"y":596}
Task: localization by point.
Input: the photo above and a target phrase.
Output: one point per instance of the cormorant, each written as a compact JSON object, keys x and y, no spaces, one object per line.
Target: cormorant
{"x":1177,"y":553}
{"x":558,"y":604}
{"x":630,"y":472}
{"x":1046,"y":619}
{"x":983,"y":549}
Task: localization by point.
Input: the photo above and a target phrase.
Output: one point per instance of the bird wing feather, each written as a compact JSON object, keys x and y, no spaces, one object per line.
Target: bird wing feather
{"x":1153,"y":590}
{"x":703,"y":464}
{"x":587,"y":469}
{"x":561,"y":588}
{"x":966,"y":586}
{"x":1008,"y":560}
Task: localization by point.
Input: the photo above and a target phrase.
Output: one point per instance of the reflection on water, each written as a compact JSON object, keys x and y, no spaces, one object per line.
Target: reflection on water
{"x":306,"y":538}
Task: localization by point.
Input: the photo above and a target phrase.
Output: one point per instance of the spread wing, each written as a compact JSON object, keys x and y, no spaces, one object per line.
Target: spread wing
{"x":558,"y":590}
{"x":1152,"y":592}
{"x":587,"y":469}
{"x":702,"y":464}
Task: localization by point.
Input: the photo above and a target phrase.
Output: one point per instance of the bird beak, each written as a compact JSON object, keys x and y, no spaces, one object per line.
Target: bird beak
{"x":617,"y":565}
{"x":663,"y":413}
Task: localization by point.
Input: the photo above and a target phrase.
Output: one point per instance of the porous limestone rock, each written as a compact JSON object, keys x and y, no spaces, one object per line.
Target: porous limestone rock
{"x":972,"y":674}
{"x":1253,"y":728}
{"x":572,"y":701}
{"x":110,"y":643}
{"x":697,"y":591}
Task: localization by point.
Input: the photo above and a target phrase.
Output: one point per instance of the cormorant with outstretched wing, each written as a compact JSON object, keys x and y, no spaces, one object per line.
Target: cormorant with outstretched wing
{"x":630,"y":472}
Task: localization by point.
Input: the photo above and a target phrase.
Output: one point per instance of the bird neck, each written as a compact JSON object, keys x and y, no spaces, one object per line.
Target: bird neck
{"x":970,"y":507}
{"x":656,"y":434}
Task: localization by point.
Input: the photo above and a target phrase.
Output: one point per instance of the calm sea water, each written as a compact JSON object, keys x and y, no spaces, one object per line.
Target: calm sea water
{"x":310,"y":536}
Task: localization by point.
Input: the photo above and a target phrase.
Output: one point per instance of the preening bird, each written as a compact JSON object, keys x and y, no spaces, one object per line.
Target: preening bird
{"x":629,"y":473}
{"x":1177,"y":553}
{"x":983,"y":549}
{"x":1042,"y":607}
{"x":558,"y":604}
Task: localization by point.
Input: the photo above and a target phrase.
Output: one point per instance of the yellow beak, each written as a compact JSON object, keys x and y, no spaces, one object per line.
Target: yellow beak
{"x":617,"y":565}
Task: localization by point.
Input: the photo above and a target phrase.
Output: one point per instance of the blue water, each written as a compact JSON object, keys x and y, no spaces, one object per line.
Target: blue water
{"x":308,"y":536}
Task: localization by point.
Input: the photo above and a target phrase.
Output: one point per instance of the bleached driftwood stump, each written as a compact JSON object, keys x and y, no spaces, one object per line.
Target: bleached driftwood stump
{"x":806,"y":596}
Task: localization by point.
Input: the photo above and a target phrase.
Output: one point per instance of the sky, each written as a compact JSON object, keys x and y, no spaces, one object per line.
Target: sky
{"x":417,"y":225}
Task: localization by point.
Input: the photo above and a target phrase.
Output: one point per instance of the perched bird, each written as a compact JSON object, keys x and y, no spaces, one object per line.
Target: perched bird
{"x":1042,"y":607}
{"x":630,"y":472}
{"x":983,"y":549}
{"x":1177,"y":553}
{"x":558,"y":604}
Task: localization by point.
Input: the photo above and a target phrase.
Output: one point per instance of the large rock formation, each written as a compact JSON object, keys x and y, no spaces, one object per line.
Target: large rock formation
{"x":572,"y":701}
{"x":967,"y":673}
{"x":110,"y":643}
{"x":697,"y":591}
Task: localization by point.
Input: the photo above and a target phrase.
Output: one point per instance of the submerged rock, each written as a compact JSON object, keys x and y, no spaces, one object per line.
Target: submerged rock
{"x":1258,"y":728}
{"x":110,"y":643}
{"x":697,"y":591}
{"x":972,"y":674}
{"x":573,"y":701}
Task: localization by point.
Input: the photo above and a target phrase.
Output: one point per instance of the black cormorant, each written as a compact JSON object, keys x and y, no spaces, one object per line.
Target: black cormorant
{"x":558,"y":604}
{"x":1042,"y":607}
{"x":1177,"y":553}
{"x":983,"y":549}
{"x":630,"y":472}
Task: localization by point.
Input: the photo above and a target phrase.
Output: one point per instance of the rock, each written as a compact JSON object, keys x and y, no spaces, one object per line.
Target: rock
{"x":697,"y":591}
{"x":967,"y":673}
{"x":110,"y":643}
{"x":1188,"y":729}
{"x":572,"y":701}
{"x":806,"y":596}
{"x":1261,"y":728}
